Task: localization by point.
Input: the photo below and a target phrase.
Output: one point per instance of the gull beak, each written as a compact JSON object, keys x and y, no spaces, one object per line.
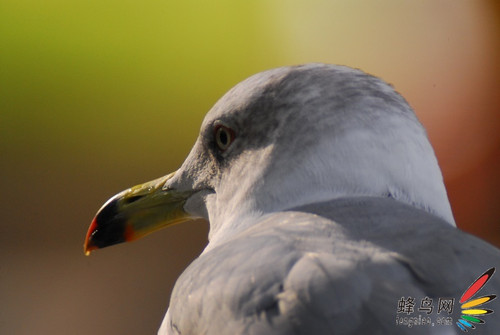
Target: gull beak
{"x":136,"y":212}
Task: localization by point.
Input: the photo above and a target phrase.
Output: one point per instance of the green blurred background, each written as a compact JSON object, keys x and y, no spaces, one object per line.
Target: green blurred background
{"x":96,"y":96}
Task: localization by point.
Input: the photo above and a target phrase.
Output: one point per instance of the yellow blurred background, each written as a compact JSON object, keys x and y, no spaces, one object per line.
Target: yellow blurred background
{"x":96,"y":96}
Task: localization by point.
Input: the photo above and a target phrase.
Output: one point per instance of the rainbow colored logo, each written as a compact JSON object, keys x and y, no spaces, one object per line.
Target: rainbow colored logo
{"x":471,"y":309}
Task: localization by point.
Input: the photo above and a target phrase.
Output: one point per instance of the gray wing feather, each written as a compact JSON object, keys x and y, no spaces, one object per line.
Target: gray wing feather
{"x":333,"y":268}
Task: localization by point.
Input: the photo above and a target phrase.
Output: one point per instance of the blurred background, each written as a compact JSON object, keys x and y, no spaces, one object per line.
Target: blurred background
{"x":97,"y":96}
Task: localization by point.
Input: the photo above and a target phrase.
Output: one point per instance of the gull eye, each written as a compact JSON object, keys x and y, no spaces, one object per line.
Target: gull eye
{"x":224,"y":136}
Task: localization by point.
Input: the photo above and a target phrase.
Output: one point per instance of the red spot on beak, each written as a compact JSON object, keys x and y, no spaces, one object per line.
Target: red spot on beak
{"x":129,"y":234}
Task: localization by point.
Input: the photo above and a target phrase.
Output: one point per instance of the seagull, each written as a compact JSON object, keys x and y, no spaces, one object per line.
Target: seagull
{"x":328,"y":215}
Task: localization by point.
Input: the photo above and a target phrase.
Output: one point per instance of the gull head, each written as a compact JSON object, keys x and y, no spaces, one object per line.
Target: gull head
{"x":283,"y":138}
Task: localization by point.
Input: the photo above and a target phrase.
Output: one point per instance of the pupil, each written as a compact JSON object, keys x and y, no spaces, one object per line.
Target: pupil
{"x":223,"y":137}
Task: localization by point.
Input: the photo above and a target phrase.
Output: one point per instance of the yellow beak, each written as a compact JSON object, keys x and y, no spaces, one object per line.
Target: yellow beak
{"x":136,"y":212}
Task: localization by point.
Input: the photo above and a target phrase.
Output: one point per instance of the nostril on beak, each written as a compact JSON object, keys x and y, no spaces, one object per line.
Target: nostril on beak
{"x":132,"y":199}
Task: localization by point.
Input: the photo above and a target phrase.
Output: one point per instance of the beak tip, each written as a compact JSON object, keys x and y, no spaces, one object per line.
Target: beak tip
{"x":88,"y":246}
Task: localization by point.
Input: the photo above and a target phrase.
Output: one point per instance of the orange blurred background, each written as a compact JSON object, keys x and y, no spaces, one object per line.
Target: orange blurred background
{"x":96,"y":96}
